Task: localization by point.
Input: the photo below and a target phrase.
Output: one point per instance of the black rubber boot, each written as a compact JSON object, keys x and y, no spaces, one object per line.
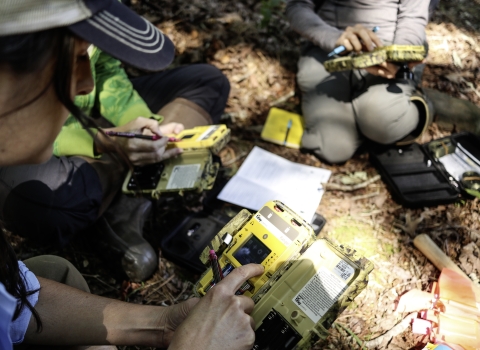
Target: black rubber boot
{"x":120,"y":232}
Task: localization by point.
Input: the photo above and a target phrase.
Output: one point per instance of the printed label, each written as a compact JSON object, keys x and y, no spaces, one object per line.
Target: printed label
{"x":344,"y":270}
{"x":319,"y":294}
{"x":208,"y":133}
{"x":282,"y":236}
{"x":183,"y":176}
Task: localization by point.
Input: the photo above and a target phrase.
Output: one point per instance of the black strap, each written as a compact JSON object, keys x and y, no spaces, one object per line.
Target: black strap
{"x":318,"y":4}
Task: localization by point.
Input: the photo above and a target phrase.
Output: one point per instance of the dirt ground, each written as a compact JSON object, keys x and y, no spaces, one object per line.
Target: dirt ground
{"x":260,"y":64}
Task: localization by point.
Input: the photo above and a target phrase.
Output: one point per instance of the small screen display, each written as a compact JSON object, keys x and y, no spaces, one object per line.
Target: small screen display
{"x":146,"y":177}
{"x":252,"y":251}
{"x":186,"y":137}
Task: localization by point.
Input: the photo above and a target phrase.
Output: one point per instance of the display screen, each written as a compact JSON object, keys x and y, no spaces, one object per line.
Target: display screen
{"x":252,"y":251}
{"x":145,"y":177}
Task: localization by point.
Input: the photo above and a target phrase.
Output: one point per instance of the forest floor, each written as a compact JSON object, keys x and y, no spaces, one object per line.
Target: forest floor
{"x":260,"y":62}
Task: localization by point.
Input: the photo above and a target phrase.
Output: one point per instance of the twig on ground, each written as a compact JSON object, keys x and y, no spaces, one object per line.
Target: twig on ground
{"x":97,"y":277}
{"x":282,"y":99}
{"x":350,"y":188}
{"x":160,"y":286}
{"x":396,"y":330}
{"x":349,"y":331}
{"x":231,"y":161}
{"x":365,"y":196}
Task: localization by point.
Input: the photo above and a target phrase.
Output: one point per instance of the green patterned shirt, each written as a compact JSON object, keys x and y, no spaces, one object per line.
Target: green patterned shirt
{"x":114,"y":97}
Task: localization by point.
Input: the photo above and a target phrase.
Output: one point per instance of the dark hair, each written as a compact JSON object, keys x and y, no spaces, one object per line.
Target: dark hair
{"x":13,"y":281}
{"x":27,"y":54}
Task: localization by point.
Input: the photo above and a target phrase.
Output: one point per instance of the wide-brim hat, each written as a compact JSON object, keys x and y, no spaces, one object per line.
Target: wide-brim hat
{"x":108,"y":24}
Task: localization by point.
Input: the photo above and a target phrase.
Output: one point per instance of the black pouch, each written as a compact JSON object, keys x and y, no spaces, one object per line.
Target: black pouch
{"x":184,"y":243}
{"x":416,"y":177}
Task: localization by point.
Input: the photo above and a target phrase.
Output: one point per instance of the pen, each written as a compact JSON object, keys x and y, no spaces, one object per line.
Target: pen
{"x":217,"y":271}
{"x":340,"y":49}
{"x":132,"y":135}
{"x":289,"y":126}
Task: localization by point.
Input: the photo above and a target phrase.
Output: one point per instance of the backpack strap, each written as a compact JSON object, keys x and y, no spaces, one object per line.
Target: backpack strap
{"x":318,"y":5}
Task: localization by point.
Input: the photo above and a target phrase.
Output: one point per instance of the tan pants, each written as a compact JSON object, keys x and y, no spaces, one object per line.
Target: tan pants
{"x":57,"y":269}
{"x":341,"y":109}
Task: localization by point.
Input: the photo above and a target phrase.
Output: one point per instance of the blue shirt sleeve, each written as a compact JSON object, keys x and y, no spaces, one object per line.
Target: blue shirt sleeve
{"x":19,"y":326}
{"x":7,"y":309}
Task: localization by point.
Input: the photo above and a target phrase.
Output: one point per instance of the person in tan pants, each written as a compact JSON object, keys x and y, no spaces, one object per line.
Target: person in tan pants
{"x":343,"y":109}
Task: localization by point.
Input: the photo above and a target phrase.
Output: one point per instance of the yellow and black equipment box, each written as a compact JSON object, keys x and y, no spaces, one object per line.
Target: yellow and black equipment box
{"x":192,"y":171}
{"x":195,"y":170}
{"x":306,"y":283}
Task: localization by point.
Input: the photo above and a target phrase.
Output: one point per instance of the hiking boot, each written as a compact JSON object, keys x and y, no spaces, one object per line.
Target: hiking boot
{"x":425,"y":118}
{"x":120,"y":233}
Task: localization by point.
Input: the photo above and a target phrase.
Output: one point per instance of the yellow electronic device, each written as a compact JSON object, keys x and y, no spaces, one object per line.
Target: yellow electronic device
{"x":192,"y":171}
{"x":295,"y":308}
{"x":213,"y":137}
{"x":306,"y":284}
{"x":271,"y":237}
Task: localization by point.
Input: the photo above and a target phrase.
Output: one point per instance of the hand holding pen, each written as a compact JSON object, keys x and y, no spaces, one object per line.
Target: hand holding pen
{"x":140,"y":140}
{"x":357,"y":38}
{"x":133,"y":135}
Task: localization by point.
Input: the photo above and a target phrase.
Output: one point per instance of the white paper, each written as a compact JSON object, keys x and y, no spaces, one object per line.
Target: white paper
{"x":264,"y":176}
{"x":459,"y":162}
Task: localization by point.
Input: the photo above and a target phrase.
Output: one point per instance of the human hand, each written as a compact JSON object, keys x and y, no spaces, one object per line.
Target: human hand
{"x":140,"y":151}
{"x":386,"y":70}
{"x":171,"y":128}
{"x":172,"y":318}
{"x":358,"y":38}
{"x":221,"y":319}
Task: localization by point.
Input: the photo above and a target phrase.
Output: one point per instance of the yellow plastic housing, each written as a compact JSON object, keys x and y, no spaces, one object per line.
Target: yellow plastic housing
{"x":310,"y":295}
{"x":190,"y":171}
{"x":213,"y":137}
{"x":272,"y":237}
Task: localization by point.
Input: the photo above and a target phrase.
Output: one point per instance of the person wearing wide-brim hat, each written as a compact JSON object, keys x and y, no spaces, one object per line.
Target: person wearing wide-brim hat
{"x":43,"y":65}
{"x":77,"y":190}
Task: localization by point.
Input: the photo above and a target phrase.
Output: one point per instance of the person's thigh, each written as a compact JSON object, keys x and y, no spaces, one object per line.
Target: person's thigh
{"x":57,"y":269}
{"x":384,"y":112}
{"x":330,"y":129}
{"x":50,"y":202}
{"x":202,"y":84}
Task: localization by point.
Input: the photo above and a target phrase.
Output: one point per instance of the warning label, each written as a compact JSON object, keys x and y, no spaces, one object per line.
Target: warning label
{"x":319,"y":294}
{"x":183,"y":176}
{"x":344,"y":270}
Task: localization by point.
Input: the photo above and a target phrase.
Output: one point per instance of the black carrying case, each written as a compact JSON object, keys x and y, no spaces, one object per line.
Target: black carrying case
{"x":415,"y":176}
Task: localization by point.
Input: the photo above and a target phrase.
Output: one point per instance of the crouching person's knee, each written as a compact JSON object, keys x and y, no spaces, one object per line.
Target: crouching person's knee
{"x":332,"y":149}
{"x":388,"y":125}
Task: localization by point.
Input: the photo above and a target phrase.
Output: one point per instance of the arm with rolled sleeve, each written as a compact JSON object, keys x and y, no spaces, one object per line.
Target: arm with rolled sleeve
{"x":303,"y":19}
{"x":411,"y":22}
